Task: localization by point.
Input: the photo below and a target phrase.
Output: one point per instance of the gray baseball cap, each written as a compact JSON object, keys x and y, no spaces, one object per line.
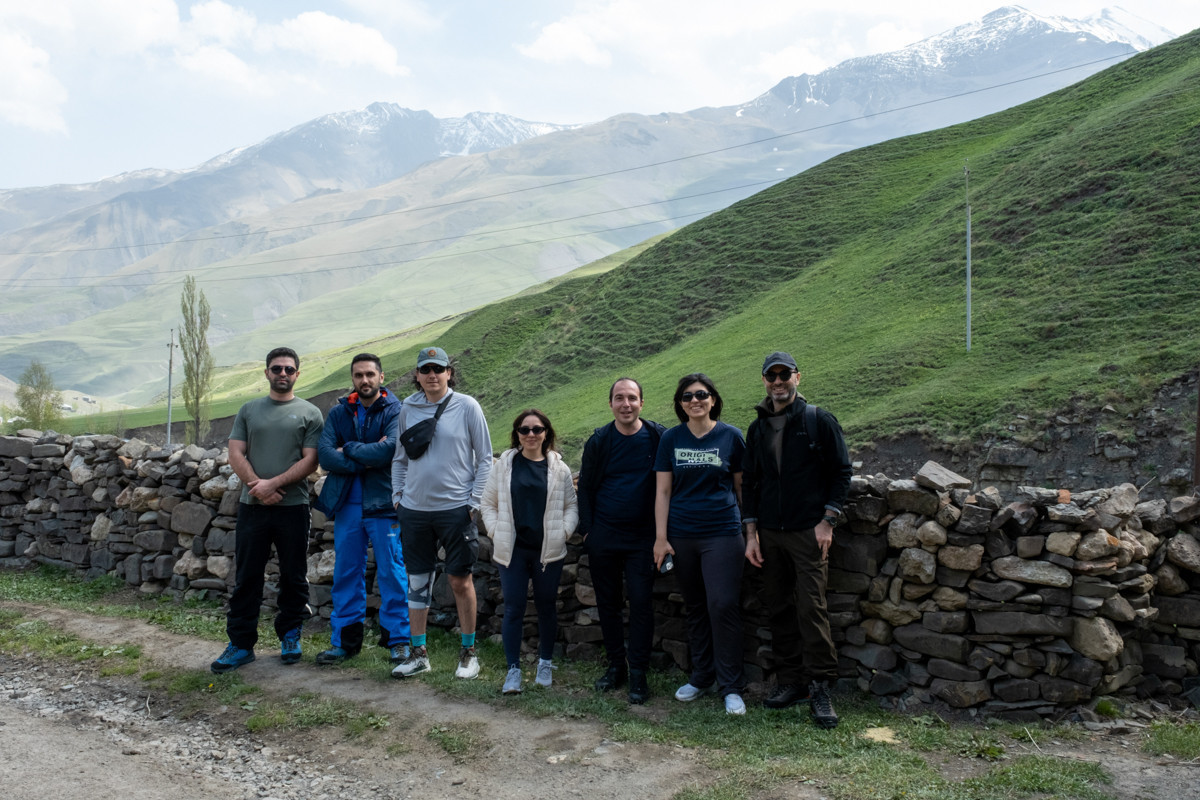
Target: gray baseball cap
{"x":433,"y":355}
{"x":779,"y":359}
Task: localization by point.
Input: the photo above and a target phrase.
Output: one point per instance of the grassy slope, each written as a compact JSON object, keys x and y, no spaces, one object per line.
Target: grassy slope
{"x":1085,"y":290}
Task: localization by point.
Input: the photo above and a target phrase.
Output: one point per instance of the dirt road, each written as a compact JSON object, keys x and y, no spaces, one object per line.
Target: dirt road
{"x":65,"y":732}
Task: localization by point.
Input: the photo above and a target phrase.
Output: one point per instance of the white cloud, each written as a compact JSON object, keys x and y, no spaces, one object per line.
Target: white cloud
{"x":887,"y":37}
{"x":30,"y":95}
{"x":791,"y":60}
{"x":125,"y":27}
{"x":218,"y":64}
{"x":221,"y":22}
{"x":567,"y":40}
{"x":409,"y":15}
{"x":335,"y":41}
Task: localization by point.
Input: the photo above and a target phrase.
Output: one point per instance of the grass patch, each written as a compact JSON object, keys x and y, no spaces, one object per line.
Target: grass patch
{"x":457,"y":740}
{"x":1042,"y":776}
{"x":35,"y":637}
{"x":1179,"y":739}
{"x":112,"y":597}
{"x":310,"y":710}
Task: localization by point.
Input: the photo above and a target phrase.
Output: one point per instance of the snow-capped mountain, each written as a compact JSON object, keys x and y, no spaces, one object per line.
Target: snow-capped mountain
{"x":338,"y":152}
{"x":1009,"y":44}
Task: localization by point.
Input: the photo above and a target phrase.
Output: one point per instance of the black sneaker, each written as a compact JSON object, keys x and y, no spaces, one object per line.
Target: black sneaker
{"x":639,"y":689}
{"x":821,"y":706}
{"x":334,"y":655}
{"x":613,"y":678}
{"x":786,"y":695}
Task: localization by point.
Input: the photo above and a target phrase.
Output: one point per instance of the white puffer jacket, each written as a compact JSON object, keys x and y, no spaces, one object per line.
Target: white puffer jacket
{"x":562,"y":513}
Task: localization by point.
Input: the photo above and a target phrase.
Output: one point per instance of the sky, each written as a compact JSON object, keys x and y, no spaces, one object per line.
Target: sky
{"x":93,"y":88}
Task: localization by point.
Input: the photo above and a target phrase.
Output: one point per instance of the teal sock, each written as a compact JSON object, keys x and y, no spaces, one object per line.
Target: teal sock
{"x":468,"y":640}
{"x":418,"y":640}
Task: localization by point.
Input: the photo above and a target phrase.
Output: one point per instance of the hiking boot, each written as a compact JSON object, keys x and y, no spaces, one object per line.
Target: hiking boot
{"x":334,"y":655}
{"x":512,"y":681}
{"x":786,"y":695}
{"x":687,"y":693}
{"x":416,"y":663}
{"x":399,"y":653}
{"x":231,"y":659}
{"x":821,"y":706}
{"x":468,"y":664}
{"x":289,"y":647}
{"x":545,"y":676}
{"x":612,"y":678}
{"x":639,"y":689}
{"x":735,"y":705}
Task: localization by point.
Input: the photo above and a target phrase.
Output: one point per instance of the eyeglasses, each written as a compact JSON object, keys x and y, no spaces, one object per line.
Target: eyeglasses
{"x":536,"y":430}
{"x":778,"y":375}
{"x":437,"y":369}
{"x":279,"y":370}
{"x":686,"y":397}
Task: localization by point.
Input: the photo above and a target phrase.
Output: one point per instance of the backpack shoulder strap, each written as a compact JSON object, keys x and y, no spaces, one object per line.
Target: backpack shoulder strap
{"x":810,"y":426}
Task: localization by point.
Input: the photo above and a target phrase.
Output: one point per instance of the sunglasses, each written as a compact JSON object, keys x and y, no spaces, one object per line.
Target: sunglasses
{"x":778,"y":375}
{"x":434,"y":368}
{"x":278,"y":370}
{"x":686,"y":397}
{"x":536,"y":430}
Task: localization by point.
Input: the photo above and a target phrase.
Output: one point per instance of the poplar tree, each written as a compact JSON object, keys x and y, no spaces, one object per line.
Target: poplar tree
{"x":38,"y":399}
{"x":197,"y":359}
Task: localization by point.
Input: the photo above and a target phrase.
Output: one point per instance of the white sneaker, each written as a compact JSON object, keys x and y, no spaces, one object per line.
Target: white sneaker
{"x":734,"y":704}
{"x":544,"y":675}
{"x":416,"y":663}
{"x":512,"y":682}
{"x":687,"y":693}
{"x":468,"y":664}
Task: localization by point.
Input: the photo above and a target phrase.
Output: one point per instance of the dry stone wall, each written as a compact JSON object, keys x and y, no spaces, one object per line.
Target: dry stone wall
{"x":938,"y":592}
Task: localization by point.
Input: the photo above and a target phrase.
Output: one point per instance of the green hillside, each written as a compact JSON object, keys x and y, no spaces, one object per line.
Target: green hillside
{"x":1086,"y":240}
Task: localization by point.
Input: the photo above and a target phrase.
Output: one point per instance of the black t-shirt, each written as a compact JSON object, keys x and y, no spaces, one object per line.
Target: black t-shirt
{"x":625,"y":496}
{"x":529,"y":485}
{"x":703,"y":501}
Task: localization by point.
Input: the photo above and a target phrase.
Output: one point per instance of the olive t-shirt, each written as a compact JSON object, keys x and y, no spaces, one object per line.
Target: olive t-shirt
{"x":276,"y":434}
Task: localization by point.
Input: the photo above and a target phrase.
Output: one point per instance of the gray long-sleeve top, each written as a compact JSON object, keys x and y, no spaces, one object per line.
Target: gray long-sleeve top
{"x":455,"y":468}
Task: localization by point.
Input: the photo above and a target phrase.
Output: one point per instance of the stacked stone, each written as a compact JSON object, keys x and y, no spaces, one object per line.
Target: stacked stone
{"x":936,"y":592}
{"x":940,"y":593}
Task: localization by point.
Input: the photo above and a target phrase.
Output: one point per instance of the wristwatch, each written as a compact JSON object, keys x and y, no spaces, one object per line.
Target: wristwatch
{"x":832,"y":520}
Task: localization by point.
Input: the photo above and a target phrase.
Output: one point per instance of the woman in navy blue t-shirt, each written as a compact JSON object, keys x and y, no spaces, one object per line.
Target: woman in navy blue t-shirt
{"x":697,"y":521}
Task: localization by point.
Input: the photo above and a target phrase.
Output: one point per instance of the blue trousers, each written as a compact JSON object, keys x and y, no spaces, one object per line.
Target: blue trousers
{"x":351,"y":533}
{"x":524,"y":568}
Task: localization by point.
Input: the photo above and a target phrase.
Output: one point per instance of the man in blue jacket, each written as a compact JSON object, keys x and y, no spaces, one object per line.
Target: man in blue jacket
{"x":356,"y":450}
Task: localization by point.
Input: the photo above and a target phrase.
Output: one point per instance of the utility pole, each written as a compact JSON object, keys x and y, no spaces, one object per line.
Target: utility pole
{"x":967,"y":191}
{"x":170,"y":373}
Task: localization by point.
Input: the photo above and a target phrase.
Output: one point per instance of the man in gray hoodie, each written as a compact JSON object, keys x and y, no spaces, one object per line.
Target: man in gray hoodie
{"x":437,"y":494}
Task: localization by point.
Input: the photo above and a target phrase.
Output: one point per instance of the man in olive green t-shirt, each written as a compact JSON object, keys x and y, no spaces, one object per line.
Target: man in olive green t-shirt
{"x":273,"y":450}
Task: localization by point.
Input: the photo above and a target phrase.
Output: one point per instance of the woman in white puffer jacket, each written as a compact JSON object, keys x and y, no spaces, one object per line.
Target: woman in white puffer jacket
{"x":529,"y":510}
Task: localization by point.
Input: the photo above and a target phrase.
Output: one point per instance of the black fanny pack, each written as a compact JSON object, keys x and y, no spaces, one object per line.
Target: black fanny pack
{"x":416,"y":439}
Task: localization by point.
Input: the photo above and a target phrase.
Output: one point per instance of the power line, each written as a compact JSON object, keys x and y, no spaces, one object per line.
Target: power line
{"x":568,"y":181}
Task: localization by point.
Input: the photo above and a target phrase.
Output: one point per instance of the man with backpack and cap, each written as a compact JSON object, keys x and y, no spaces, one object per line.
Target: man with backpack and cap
{"x":795,"y":482}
